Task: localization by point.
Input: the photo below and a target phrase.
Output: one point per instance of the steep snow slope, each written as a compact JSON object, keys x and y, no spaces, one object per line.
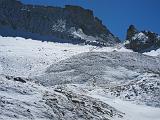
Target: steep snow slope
{"x":26,"y":57}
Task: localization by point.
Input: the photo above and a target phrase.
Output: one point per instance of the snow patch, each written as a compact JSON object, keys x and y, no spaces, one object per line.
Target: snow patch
{"x":59,"y":26}
{"x":80,"y":34}
{"x":132,"y":111}
{"x":141,"y":36}
{"x":153,"y":53}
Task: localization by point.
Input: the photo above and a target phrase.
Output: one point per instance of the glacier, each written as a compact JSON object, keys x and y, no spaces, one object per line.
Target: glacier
{"x":55,"y":81}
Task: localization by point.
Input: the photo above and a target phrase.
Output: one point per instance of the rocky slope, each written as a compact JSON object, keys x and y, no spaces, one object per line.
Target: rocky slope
{"x":71,"y":24}
{"x":141,"y":41}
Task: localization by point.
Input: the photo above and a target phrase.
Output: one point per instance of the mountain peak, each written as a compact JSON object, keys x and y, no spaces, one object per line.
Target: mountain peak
{"x":141,"y":41}
{"x":131,"y":31}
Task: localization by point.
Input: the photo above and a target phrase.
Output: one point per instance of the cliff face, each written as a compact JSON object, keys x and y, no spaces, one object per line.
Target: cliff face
{"x":69,"y":24}
{"x":141,"y":41}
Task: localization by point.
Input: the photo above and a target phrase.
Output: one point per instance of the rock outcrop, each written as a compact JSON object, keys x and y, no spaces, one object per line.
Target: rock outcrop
{"x":141,"y":41}
{"x":71,"y":24}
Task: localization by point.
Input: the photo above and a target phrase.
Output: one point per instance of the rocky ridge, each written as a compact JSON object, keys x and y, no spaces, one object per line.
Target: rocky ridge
{"x":71,"y":24}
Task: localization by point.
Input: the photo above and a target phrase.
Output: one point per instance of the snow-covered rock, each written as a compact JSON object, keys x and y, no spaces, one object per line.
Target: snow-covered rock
{"x":140,"y":36}
{"x":141,"y":41}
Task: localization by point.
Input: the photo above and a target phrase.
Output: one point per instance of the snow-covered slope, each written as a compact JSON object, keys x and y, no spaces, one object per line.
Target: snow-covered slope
{"x":21,"y":57}
{"x":131,"y":111}
{"x":153,"y":53}
{"x":53,"y":81}
{"x":26,"y":57}
{"x":30,"y":101}
{"x":129,"y":76}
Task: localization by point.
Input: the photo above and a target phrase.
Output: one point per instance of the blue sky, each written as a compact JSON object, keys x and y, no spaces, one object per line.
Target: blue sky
{"x":117,"y":15}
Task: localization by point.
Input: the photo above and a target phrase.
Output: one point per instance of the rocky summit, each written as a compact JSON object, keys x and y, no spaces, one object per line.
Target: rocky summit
{"x":71,"y":24}
{"x":141,"y":41}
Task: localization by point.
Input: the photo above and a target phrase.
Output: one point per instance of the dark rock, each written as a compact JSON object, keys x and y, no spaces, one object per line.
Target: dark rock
{"x":131,"y":32}
{"x":19,"y":79}
{"x":53,"y":23}
{"x":142,"y":41}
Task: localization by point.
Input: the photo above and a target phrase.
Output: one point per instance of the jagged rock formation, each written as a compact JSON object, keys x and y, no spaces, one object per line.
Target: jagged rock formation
{"x":141,"y":41}
{"x":131,"y":32}
{"x":71,"y":24}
